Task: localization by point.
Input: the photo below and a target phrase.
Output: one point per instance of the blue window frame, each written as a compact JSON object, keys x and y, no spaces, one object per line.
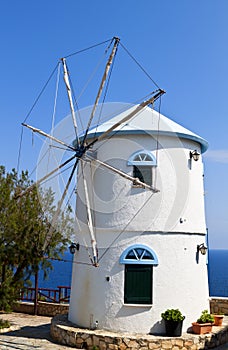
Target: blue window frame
{"x":142,"y":158}
{"x":138,"y":275}
{"x":142,"y":162}
{"x":139,"y":254}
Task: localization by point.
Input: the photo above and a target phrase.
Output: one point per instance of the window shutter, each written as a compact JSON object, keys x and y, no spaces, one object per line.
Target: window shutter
{"x":138,"y":284}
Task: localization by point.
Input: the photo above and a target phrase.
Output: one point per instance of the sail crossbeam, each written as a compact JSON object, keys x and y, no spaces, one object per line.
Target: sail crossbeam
{"x":90,"y":222}
{"x":104,"y":77}
{"x":58,"y":210}
{"x":137,"y":110}
{"x":68,"y":88}
{"x":135,"y":180}
{"x":48,"y":135}
{"x":38,"y":182}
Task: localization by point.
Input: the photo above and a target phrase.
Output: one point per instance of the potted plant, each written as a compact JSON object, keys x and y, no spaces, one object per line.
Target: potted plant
{"x":203,"y":324}
{"x":173,"y":322}
{"x":218,"y":318}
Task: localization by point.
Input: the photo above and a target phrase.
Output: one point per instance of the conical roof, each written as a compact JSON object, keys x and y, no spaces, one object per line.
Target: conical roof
{"x":147,"y":121}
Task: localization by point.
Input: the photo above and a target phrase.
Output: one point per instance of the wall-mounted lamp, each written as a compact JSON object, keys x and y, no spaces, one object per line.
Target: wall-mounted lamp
{"x":202,"y":249}
{"x":73,"y":247}
{"x":194,"y":154}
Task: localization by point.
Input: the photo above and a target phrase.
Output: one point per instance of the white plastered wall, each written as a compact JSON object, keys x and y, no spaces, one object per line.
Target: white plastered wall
{"x":171,"y":222}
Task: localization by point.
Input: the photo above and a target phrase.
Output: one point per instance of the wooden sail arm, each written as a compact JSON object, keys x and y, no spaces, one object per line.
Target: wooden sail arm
{"x":138,"y":109}
{"x":68,"y":88}
{"x":38,"y":182}
{"x":90,"y":222}
{"x":107,"y":68}
{"x":48,"y":135}
{"x":135,"y":180}
{"x":58,"y":210}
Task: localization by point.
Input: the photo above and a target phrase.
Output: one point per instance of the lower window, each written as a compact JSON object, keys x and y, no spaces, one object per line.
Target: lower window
{"x":138,"y":284}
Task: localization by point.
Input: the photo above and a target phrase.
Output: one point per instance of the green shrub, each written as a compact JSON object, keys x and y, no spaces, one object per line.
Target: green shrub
{"x":205,"y":317}
{"x":4,"y":324}
{"x":172,"y":315}
{"x":42,"y":298}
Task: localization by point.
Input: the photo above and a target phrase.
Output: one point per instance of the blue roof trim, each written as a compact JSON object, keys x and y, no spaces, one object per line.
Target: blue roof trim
{"x":153,"y":261}
{"x":203,"y":143}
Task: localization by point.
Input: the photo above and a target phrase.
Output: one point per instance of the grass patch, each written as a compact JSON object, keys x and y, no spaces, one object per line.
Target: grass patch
{"x":4,"y":324}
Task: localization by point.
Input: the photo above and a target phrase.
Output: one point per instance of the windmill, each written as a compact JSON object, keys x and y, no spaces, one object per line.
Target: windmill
{"x":144,"y":241}
{"x":81,"y":146}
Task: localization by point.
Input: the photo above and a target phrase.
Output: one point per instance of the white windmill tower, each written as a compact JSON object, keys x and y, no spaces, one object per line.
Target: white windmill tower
{"x":140,"y":214}
{"x":148,"y":235}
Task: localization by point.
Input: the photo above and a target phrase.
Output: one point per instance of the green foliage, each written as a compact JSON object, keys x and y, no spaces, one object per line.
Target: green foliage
{"x":27,"y":237}
{"x":42,"y":298}
{"x":205,"y":317}
{"x":172,"y":315}
{"x":4,"y":324}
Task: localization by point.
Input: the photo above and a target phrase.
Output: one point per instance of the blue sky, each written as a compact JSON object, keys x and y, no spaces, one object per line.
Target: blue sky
{"x":182,"y":44}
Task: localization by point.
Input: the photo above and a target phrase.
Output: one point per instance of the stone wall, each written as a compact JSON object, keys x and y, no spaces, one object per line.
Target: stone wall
{"x":219,"y":305}
{"x":44,"y":308}
{"x":64,"y":332}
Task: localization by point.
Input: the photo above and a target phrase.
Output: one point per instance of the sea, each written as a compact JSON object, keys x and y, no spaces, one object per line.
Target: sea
{"x":217,"y":273}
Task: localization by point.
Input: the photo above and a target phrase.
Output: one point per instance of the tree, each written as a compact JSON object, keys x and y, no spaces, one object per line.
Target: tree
{"x":25,"y":240}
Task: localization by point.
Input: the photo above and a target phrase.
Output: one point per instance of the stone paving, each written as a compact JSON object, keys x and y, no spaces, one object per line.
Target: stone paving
{"x":33,"y":333}
{"x":28,"y":332}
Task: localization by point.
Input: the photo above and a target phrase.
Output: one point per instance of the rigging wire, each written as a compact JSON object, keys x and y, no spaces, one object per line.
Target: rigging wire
{"x":62,"y":148}
{"x":35,"y":168}
{"x":44,"y":155}
{"x":105,"y":94}
{"x":41,"y":92}
{"x":114,"y":132}
{"x":54,"y":114}
{"x":140,"y":66}
{"x":85,"y":87}
{"x":18,"y":163}
{"x":83,"y":238}
{"x":19,"y":151}
{"x":90,"y":47}
{"x":69,"y":198}
{"x":57,"y":174}
{"x":46,"y":152}
{"x":76,"y":102}
{"x":29,"y":113}
{"x":139,"y":210}
{"x":94,"y":72}
{"x":55,"y":102}
{"x":125,"y":108}
{"x":58,"y":210}
{"x":87,"y":83}
{"x":125,"y":227}
{"x":66,"y":260}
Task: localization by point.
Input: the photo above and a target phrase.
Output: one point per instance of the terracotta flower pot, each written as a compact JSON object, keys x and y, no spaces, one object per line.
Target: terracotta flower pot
{"x":218,"y":320}
{"x":201,"y":328}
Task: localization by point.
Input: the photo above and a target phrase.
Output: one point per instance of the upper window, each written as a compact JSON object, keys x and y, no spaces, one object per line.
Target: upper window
{"x":142,"y":162}
{"x":143,"y":173}
{"x":142,"y":158}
